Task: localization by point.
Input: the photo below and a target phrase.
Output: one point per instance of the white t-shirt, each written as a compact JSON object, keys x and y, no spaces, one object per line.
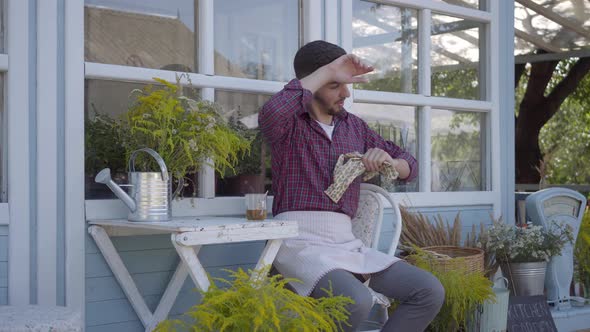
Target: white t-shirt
{"x":329,"y":129}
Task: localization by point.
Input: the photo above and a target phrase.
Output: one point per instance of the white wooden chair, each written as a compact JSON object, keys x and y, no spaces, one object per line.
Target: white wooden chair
{"x":366,"y":226}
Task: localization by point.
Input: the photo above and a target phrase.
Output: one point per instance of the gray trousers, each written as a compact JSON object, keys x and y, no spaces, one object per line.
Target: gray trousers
{"x":421,"y":295}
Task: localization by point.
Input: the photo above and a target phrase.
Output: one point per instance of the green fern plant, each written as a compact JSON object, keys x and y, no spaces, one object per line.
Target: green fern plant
{"x":186,"y":132}
{"x":260,"y":304}
{"x":464,"y":292}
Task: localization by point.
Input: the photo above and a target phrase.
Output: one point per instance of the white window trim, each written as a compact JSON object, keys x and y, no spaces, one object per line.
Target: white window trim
{"x":208,"y":82}
{"x":17,"y":105}
{"x":4,"y":217}
{"x":74,"y":154}
{"x":47,"y":152}
{"x":3,"y":62}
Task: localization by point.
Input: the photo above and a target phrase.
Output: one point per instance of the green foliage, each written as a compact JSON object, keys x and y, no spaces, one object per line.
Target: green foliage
{"x":250,"y":163}
{"x":464,"y":292}
{"x":565,"y":138}
{"x":261,"y":304}
{"x":459,"y":83}
{"x":184,"y":131}
{"x":582,"y":253}
{"x":565,"y":142}
{"x":102,"y":137}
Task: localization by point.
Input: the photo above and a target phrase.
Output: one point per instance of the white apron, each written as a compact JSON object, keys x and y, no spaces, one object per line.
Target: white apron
{"x":325,"y":243}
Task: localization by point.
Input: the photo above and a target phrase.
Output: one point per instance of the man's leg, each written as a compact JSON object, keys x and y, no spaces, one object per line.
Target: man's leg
{"x":345,"y":283}
{"x":421,"y":296}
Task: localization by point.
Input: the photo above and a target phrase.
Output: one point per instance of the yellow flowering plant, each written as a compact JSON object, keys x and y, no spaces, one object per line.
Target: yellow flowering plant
{"x":186,"y":132}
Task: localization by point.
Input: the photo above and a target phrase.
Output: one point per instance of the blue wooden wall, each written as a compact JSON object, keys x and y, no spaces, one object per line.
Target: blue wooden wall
{"x":3,"y":265}
{"x":151,"y":260}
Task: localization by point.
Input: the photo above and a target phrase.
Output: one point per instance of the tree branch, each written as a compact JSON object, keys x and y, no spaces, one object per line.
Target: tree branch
{"x":541,"y":73}
{"x":568,"y":84}
{"x":518,"y":70}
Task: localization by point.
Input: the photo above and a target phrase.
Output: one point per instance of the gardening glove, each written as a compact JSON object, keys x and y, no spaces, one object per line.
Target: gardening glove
{"x":348,"y":167}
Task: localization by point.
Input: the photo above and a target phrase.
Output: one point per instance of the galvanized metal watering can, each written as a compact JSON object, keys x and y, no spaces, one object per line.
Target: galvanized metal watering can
{"x":150,"y":195}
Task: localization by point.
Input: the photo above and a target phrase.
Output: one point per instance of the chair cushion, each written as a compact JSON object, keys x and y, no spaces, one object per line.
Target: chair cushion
{"x":364,"y":223}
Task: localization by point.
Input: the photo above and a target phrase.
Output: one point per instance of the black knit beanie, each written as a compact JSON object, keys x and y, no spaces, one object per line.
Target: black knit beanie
{"x":314,"y":55}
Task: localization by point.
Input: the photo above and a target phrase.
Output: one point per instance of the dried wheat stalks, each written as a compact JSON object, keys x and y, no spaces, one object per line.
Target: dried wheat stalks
{"x":419,"y":231}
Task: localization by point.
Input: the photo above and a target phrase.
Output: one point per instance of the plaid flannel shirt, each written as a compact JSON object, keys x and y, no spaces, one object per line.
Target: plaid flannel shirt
{"x":303,"y":157}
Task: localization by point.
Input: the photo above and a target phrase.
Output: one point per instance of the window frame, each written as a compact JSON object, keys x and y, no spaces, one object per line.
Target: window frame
{"x":337,"y":25}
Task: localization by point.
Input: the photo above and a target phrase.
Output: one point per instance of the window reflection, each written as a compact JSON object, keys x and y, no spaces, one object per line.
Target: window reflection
{"x":457,"y":151}
{"x":385,"y":36}
{"x":456,"y":58}
{"x":394,"y":123}
{"x":252,"y":174}
{"x":473,"y":4}
{"x":256,"y":39}
{"x":106,"y":102}
{"x":154,"y":34}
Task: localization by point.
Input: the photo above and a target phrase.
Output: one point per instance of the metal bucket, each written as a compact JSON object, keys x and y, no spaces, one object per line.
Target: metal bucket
{"x":527,"y":279}
{"x":151,"y":191}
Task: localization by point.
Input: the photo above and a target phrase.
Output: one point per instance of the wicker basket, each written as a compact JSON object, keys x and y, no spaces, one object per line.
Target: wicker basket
{"x":470,"y":259}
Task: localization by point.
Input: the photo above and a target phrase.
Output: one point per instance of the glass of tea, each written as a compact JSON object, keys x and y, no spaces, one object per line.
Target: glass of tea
{"x":255,"y":206}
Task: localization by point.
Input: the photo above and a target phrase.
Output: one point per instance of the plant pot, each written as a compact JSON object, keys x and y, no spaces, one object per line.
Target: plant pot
{"x":243,"y":184}
{"x":527,"y":279}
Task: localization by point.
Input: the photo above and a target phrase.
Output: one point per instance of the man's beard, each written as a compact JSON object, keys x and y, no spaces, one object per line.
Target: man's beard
{"x":331,"y":110}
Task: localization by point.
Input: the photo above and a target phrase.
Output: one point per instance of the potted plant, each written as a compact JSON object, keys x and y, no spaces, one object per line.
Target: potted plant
{"x":103,"y":145}
{"x":260,"y":303}
{"x":187,"y":133}
{"x":248,"y":176}
{"x":465,"y":291}
{"x":523,"y":253}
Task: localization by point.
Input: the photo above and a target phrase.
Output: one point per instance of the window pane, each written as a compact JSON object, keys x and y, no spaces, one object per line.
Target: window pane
{"x":385,"y":36}
{"x":457,"y":151}
{"x":395,"y":123}
{"x":107,"y":102}
{"x":473,"y":4}
{"x":154,"y":34}
{"x":2,"y":28}
{"x":256,"y":39}
{"x":3,"y":152}
{"x":456,"y":70}
{"x":252,"y":175}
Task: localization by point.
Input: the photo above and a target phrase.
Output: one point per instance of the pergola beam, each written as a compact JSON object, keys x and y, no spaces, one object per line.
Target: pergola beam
{"x":574,"y":26}
{"x":537,"y":41}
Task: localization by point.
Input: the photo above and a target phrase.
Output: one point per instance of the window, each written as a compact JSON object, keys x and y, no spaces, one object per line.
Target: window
{"x":456,"y":58}
{"x":473,"y":4}
{"x":394,"y":123}
{"x":256,"y":39}
{"x":457,"y":151}
{"x":450,"y":141}
{"x":386,"y":37}
{"x":252,"y":174}
{"x":155,"y":34}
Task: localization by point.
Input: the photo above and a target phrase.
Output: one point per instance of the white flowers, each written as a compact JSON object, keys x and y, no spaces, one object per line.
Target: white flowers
{"x":193,"y":145}
{"x":528,"y":244}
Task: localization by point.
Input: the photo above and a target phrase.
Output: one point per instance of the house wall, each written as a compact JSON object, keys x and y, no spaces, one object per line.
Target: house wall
{"x":151,"y":261}
{"x":3,"y":265}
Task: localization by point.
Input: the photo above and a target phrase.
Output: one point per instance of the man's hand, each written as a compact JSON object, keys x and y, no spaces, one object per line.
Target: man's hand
{"x":346,"y":69}
{"x":374,"y":158}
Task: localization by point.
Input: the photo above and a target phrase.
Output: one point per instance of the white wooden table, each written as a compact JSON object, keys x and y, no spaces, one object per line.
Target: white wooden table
{"x":187,"y":234}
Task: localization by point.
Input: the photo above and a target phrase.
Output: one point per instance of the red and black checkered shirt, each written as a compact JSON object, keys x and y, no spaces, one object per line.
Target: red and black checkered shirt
{"x":303,"y":157}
